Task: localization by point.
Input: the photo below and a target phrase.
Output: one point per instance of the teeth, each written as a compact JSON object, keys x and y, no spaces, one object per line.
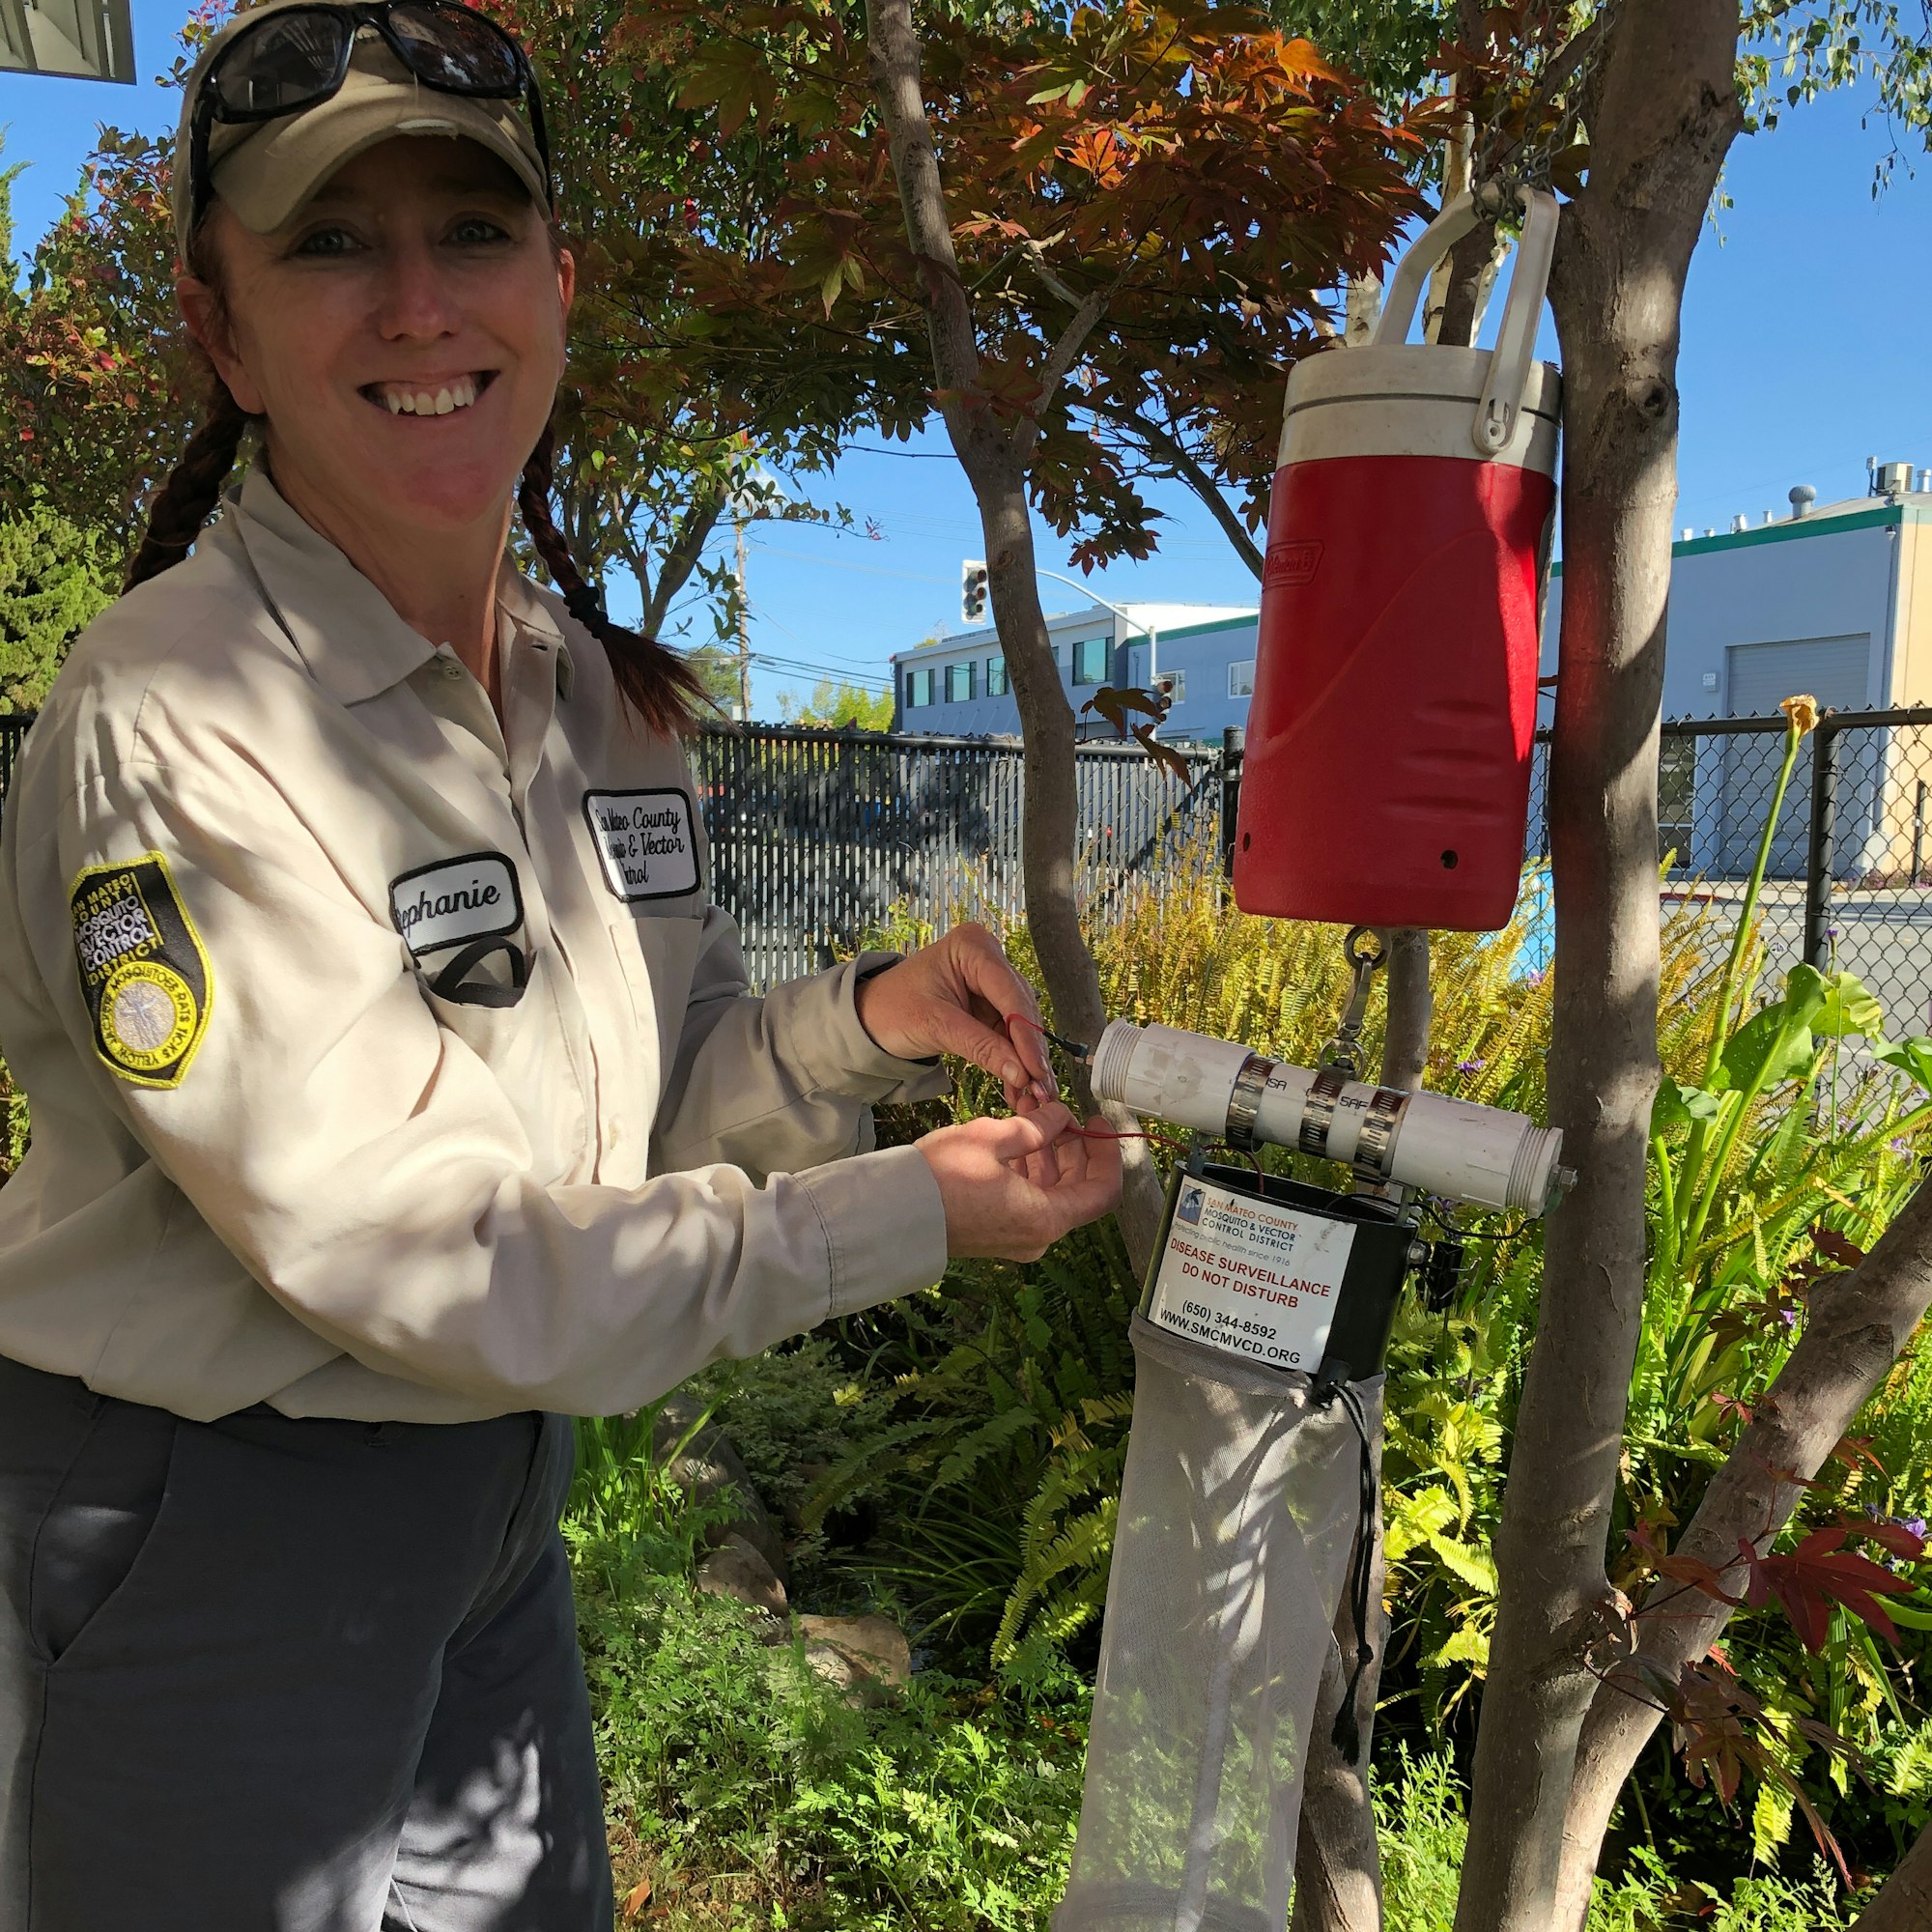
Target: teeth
{"x":457,"y":396}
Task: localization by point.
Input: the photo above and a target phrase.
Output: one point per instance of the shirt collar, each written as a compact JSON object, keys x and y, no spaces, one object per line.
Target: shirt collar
{"x":346,"y":631}
{"x":528,"y":608}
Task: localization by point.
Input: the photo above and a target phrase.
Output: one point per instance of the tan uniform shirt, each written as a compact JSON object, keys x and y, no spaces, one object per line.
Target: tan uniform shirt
{"x":387,"y":1063}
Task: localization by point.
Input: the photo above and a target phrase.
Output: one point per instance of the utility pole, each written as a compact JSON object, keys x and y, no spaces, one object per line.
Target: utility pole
{"x":744,"y":632}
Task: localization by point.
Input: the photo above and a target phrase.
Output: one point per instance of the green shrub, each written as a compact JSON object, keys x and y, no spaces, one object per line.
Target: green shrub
{"x":745,"y":1792}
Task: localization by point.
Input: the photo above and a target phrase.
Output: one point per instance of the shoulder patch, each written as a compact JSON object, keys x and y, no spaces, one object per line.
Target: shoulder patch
{"x":645,"y":842}
{"x":144,"y":972}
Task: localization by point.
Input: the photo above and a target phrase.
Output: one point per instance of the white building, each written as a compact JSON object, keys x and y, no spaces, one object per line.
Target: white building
{"x":1202,"y":654}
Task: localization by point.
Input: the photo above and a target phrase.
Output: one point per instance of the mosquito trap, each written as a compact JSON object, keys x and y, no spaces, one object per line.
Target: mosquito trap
{"x":1249,"y":1504}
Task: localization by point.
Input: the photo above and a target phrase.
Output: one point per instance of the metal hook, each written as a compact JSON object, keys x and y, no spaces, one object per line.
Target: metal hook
{"x":1366,"y":949}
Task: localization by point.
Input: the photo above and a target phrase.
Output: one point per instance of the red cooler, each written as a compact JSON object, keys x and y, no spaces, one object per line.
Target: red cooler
{"x":1388,"y":751}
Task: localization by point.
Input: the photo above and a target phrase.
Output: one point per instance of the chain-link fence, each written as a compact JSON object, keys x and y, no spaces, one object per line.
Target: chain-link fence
{"x":1848,"y":881}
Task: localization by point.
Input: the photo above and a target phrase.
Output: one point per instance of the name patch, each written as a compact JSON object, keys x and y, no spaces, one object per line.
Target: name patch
{"x":472,"y":897}
{"x":645,"y":842}
{"x":143,"y":970}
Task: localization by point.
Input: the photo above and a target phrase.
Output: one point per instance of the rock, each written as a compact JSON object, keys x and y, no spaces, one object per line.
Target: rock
{"x":709,"y":1466}
{"x":738,"y":1571}
{"x":871,"y":1648}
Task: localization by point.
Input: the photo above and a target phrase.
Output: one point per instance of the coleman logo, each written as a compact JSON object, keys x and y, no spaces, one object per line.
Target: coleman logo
{"x":143,"y":972}
{"x":1293,"y":562}
{"x":443,"y":904}
{"x":645,"y":842}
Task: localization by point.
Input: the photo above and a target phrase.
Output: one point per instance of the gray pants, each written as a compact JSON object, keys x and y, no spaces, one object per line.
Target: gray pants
{"x":262,"y":1675}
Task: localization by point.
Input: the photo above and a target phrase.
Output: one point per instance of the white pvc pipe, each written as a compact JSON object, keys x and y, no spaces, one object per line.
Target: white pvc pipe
{"x":1451,"y":1147}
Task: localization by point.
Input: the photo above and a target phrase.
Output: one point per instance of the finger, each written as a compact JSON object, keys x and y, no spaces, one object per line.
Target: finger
{"x":951,"y":1028}
{"x":1021,"y":1136}
{"x":987,"y":975}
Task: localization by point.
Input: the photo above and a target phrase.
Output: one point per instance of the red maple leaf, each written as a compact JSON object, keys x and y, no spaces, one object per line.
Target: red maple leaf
{"x":1819,"y":1573}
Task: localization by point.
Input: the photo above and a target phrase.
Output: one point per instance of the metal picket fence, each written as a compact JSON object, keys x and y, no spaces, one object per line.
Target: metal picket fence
{"x":817,"y":836}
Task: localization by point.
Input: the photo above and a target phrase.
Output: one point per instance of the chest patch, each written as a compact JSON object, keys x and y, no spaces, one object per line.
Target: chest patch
{"x":472,"y":897}
{"x":143,"y":972}
{"x":645,"y":842}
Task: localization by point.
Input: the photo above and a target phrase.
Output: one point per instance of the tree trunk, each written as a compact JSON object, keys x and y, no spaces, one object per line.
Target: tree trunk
{"x":1856,"y":1327}
{"x":1665,"y":117}
{"x":1904,"y":1903}
{"x":994,"y":459}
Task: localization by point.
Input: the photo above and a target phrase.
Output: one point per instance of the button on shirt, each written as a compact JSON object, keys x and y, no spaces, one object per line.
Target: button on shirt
{"x":386,"y":1061}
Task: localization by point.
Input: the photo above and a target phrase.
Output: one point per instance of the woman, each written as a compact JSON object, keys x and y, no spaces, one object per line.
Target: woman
{"x":396,"y":1090}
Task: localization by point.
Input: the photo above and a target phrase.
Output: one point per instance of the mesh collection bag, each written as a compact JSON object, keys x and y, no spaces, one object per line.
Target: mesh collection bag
{"x":1244,"y":1489}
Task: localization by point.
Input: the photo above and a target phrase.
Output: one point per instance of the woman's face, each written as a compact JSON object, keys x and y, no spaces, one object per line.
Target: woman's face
{"x":403,"y":335}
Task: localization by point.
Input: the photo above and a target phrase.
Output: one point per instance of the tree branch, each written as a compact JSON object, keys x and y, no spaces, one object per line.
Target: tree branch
{"x":1855,"y":1329}
{"x":1904,"y":1903}
{"x":893,"y":59}
{"x":679,"y":560}
{"x":1162,"y":443}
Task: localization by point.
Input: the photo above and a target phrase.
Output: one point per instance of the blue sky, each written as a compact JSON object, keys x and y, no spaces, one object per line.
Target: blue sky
{"x":1803,"y":353}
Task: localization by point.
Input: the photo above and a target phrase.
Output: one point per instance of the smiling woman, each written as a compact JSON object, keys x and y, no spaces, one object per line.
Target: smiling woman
{"x":397,"y":1087}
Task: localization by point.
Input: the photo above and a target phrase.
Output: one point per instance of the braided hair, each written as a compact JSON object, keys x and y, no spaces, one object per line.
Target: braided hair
{"x":654,"y":681}
{"x":187,"y":500}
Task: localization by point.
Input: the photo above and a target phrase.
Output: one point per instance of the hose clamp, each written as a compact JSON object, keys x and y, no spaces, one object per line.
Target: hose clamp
{"x":1374,"y":1144}
{"x":1318,"y":1111}
{"x":1244,"y":1103}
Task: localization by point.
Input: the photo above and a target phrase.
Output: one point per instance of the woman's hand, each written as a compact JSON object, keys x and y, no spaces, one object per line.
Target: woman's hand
{"x":1012,"y":1188}
{"x":955,"y":996}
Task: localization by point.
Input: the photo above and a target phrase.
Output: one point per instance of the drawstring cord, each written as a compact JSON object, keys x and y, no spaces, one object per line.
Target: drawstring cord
{"x":1335,"y":1386}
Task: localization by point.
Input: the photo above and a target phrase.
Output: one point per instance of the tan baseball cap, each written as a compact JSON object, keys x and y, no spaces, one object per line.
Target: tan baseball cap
{"x":265,"y":170}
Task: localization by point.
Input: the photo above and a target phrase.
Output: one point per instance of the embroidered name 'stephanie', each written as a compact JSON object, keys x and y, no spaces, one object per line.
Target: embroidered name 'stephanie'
{"x":443,"y":904}
{"x":645,"y":842}
{"x":144,"y":972}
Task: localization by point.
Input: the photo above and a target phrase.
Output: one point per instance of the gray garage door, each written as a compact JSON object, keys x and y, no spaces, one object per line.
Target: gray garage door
{"x":1836,"y":672}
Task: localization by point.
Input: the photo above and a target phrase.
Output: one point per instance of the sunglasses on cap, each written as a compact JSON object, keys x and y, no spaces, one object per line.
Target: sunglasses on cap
{"x":296,"y":57}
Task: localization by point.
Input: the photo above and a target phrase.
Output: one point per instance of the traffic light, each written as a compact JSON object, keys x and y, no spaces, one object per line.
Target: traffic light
{"x":973,"y":591}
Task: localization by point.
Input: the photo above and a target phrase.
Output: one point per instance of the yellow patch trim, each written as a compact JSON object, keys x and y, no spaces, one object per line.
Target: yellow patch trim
{"x":149,"y":1012}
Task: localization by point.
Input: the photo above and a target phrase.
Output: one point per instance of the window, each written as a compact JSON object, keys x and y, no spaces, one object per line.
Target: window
{"x":1090,"y":661}
{"x":1175,"y":683}
{"x":958,"y":683}
{"x":996,"y":677}
{"x":1242,"y":678}
{"x":918,"y":688}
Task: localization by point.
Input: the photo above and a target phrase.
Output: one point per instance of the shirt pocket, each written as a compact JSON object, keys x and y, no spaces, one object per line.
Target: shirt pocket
{"x":525,"y":1046}
{"x":659,"y":957}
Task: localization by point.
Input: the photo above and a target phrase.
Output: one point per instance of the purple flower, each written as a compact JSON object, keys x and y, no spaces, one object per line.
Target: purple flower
{"x":1898,"y":1144}
{"x":1470,"y":1065}
{"x":1789,"y":1316}
{"x":1533,"y":979}
{"x":1914,"y":1524}
{"x":1831,"y":932}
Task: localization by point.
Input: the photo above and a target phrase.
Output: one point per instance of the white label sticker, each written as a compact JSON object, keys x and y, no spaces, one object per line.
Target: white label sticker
{"x":1250,"y":1276}
{"x":645,"y":842}
{"x":471,"y":897}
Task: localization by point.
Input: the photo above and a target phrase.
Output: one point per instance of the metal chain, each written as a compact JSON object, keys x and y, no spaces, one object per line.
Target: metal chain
{"x":1499,"y":168}
{"x":1366,"y":949}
